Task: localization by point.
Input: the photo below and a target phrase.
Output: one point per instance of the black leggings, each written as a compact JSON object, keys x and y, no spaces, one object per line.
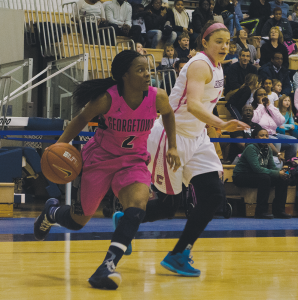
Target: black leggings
{"x":263,"y":183}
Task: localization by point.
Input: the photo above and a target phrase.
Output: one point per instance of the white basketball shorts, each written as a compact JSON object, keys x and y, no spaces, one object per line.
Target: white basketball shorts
{"x":197,"y":155}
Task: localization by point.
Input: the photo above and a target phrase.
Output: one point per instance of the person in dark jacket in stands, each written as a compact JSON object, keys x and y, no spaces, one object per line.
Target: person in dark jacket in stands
{"x":156,"y":27}
{"x":239,"y":99}
{"x":256,"y":169}
{"x":201,"y":15}
{"x":275,"y":70}
{"x":260,"y":10}
{"x":282,"y":23}
{"x":237,"y":71}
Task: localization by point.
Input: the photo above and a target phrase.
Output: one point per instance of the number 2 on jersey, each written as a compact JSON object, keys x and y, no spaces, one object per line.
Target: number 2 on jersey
{"x":127,"y":142}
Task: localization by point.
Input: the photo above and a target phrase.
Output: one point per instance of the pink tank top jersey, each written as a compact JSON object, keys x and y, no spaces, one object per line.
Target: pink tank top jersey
{"x":124,"y":131}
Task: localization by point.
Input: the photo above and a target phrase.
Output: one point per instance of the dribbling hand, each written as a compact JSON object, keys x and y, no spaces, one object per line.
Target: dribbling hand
{"x":234,"y":125}
{"x":173,"y":159}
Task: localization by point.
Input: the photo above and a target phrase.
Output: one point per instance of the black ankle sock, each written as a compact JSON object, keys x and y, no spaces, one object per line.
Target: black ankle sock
{"x":115,"y":254}
{"x":180,"y":247}
{"x":61,"y":215}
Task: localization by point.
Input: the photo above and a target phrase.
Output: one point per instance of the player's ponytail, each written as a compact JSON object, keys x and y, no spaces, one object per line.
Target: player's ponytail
{"x":207,"y":31}
{"x":91,"y":89}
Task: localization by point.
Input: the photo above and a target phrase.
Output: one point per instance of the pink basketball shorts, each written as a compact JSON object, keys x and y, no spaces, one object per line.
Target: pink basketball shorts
{"x":102,"y":170}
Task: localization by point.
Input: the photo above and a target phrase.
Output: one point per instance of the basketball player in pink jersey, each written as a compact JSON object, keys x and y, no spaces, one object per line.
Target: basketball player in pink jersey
{"x":196,"y":92}
{"x":115,"y":157}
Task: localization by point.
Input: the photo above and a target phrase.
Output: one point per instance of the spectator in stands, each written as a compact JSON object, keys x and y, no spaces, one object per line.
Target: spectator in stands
{"x":201,"y":15}
{"x":183,"y":48}
{"x":89,"y":8}
{"x":237,"y":148}
{"x":294,"y":22}
{"x":231,"y":58}
{"x":212,"y":5}
{"x":277,"y":87}
{"x":227,"y":10}
{"x":179,"y":64}
{"x":156,"y":26}
{"x":269,"y":117}
{"x":170,"y":56}
{"x":256,"y":169}
{"x":275,"y":44}
{"x":237,"y":72}
{"x":119,"y":13}
{"x":180,"y":21}
{"x":239,"y":99}
{"x":284,"y":7}
{"x":272,"y":96}
{"x":259,"y":10}
{"x":275,"y":70}
{"x":285,"y":108}
{"x":241,"y":40}
{"x":241,"y":16}
{"x":282,"y":23}
{"x":138,"y":15}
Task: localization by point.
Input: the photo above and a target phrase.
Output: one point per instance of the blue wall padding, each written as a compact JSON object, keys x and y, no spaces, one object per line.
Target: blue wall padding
{"x":44,"y":124}
{"x":10,"y":165}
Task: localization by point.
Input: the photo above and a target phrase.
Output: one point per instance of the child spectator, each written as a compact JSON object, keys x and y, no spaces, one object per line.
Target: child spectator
{"x":276,"y":87}
{"x":183,"y":48}
{"x":170,"y":56}
{"x":272,"y":96}
{"x":180,"y":21}
{"x":285,"y":108}
{"x":231,"y":58}
{"x":239,"y":99}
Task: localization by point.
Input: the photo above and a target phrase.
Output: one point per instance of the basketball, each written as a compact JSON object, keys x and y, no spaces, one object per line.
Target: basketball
{"x":61,"y":163}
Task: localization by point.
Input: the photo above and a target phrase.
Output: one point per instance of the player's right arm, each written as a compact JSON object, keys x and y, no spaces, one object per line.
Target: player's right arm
{"x":198,"y":75}
{"x":93,"y":108}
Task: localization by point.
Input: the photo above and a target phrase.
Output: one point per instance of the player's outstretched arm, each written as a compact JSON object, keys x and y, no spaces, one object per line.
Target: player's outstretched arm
{"x":94,"y":108}
{"x":198,"y":75}
{"x":168,"y":118}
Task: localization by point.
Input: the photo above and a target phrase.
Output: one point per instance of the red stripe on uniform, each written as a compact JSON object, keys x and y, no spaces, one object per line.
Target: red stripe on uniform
{"x":169,"y":188}
{"x":183,"y":95}
{"x":156,"y":157}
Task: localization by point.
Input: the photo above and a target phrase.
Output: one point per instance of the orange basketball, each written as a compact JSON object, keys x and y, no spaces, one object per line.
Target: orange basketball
{"x":61,"y":163}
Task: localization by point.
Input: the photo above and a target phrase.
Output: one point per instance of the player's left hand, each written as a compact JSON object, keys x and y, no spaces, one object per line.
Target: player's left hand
{"x":234,"y":125}
{"x":173,"y":159}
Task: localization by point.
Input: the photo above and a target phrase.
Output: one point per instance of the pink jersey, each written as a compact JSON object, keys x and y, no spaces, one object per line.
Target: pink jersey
{"x":124,"y":131}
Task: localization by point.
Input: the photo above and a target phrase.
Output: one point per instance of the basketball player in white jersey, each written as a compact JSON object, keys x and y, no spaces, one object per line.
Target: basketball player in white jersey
{"x":196,"y":92}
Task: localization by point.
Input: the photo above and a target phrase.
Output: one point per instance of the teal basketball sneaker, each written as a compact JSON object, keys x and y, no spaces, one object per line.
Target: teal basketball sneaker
{"x":180,"y":263}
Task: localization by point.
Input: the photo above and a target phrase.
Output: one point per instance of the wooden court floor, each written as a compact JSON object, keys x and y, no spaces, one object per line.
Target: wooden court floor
{"x":231,"y":268}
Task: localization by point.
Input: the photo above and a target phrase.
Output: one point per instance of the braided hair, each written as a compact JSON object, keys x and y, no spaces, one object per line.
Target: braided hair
{"x":90,"y":90}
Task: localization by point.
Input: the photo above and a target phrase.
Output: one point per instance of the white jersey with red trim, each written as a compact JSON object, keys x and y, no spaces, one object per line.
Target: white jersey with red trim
{"x":186,"y":123}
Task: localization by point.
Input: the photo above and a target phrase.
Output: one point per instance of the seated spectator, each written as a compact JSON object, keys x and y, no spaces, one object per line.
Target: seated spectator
{"x":294,"y":22}
{"x":269,"y":117}
{"x":282,"y":23}
{"x":237,"y":72}
{"x":256,"y":169}
{"x":212,"y":5}
{"x":179,"y":64}
{"x":241,"y":40}
{"x":239,"y":99}
{"x":261,"y":11}
{"x":201,"y":15}
{"x":275,"y":70}
{"x":231,"y":57}
{"x":170,"y":56}
{"x":119,"y":13}
{"x":156,"y":26}
{"x":180,"y":22}
{"x":227,"y":10}
{"x":285,"y":108}
{"x":183,"y":48}
{"x":138,"y":15}
{"x":272,"y":96}
{"x":237,"y":148}
{"x":284,"y":7}
{"x":275,"y":44}
{"x":238,"y":11}
{"x":276,"y":87}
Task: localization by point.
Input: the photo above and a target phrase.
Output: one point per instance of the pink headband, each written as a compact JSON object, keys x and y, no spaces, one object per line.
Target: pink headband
{"x":214,"y":27}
